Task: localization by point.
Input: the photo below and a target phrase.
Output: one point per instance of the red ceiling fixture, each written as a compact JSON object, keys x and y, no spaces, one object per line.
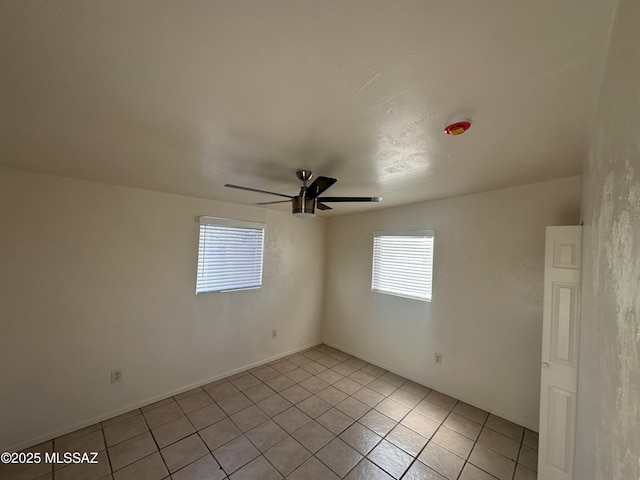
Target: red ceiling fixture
{"x":457,"y":125}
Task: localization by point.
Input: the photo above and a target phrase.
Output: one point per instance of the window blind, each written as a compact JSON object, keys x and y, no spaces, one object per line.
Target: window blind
{"x":230,"y":255}
{"x":403,"y":264}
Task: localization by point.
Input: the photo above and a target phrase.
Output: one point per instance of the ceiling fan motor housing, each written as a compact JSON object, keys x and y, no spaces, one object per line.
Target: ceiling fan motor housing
{"x":304,"y":207}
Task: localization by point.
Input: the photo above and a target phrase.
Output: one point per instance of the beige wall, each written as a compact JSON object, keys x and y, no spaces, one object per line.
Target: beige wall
{"x":608,"y":437}
{"x":486,"y":313}
{"x":96,"y":277}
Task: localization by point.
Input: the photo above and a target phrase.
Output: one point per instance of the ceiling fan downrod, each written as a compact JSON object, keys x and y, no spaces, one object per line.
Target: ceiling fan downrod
{"x":303,"y":207}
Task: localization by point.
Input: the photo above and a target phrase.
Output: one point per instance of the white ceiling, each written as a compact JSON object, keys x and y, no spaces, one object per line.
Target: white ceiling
{"x":185,"y":96}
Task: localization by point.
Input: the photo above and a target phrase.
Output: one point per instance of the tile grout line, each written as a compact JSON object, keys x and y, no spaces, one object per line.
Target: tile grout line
{"x":198,"y":432}
{"x":156,"y":442}
{"x":322,"y":357}
{"x":106,"y":448}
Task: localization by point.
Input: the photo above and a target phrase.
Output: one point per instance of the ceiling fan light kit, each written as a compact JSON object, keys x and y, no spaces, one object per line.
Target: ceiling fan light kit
{"x":304,"y":207}
{"x":304,"y":204}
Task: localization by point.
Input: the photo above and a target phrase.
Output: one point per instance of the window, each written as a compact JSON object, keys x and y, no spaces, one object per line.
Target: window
{"x":229,"y":255}
{"x":403,"y":264}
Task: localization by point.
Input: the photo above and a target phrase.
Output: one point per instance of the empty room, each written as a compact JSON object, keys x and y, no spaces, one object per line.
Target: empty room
{"x":319,"y":240}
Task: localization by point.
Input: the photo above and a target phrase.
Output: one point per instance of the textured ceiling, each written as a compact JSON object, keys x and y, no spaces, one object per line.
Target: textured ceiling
{"x":185,"y":96}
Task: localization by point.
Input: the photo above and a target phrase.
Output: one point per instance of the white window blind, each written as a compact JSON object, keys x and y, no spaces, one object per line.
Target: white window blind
{"x":403,"y":264}
{"x":230,"y":255}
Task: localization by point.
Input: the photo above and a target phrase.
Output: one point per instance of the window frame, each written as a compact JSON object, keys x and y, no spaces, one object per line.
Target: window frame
{"x":206,"y":222}
{"x":376,"y":257}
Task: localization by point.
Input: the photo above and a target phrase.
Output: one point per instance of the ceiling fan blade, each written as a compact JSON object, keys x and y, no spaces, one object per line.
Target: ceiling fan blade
{"x":256,"y":190}
{"x":349,"y":199}
{"x":319,"y":185}
{"x":271,"y":203}
{"x":322,"y":206}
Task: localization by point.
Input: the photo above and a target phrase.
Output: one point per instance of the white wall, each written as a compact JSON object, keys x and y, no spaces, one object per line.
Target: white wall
{"x":486,"y":314}
{"x":608,"y":437}
{"x":95,"y":277}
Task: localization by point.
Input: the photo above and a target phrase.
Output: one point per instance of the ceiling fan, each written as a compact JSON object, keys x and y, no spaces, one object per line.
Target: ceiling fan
{"x":305,"y":203}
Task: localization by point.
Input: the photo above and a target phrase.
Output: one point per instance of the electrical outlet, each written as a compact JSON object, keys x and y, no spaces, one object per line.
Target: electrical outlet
{"x":438,"y":358}
{"x":116,"y":376}
{"x":274,"y":333}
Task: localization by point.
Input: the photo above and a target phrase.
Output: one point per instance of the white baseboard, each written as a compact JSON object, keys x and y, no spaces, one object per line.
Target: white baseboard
{"x":482,"y":407}
{"x":149,"y":401}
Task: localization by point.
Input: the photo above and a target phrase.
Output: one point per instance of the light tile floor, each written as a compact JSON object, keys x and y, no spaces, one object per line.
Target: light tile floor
{"x":317,"y":415}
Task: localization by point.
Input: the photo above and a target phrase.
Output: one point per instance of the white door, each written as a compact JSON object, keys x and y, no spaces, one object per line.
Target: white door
{"x":561,"y":320}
